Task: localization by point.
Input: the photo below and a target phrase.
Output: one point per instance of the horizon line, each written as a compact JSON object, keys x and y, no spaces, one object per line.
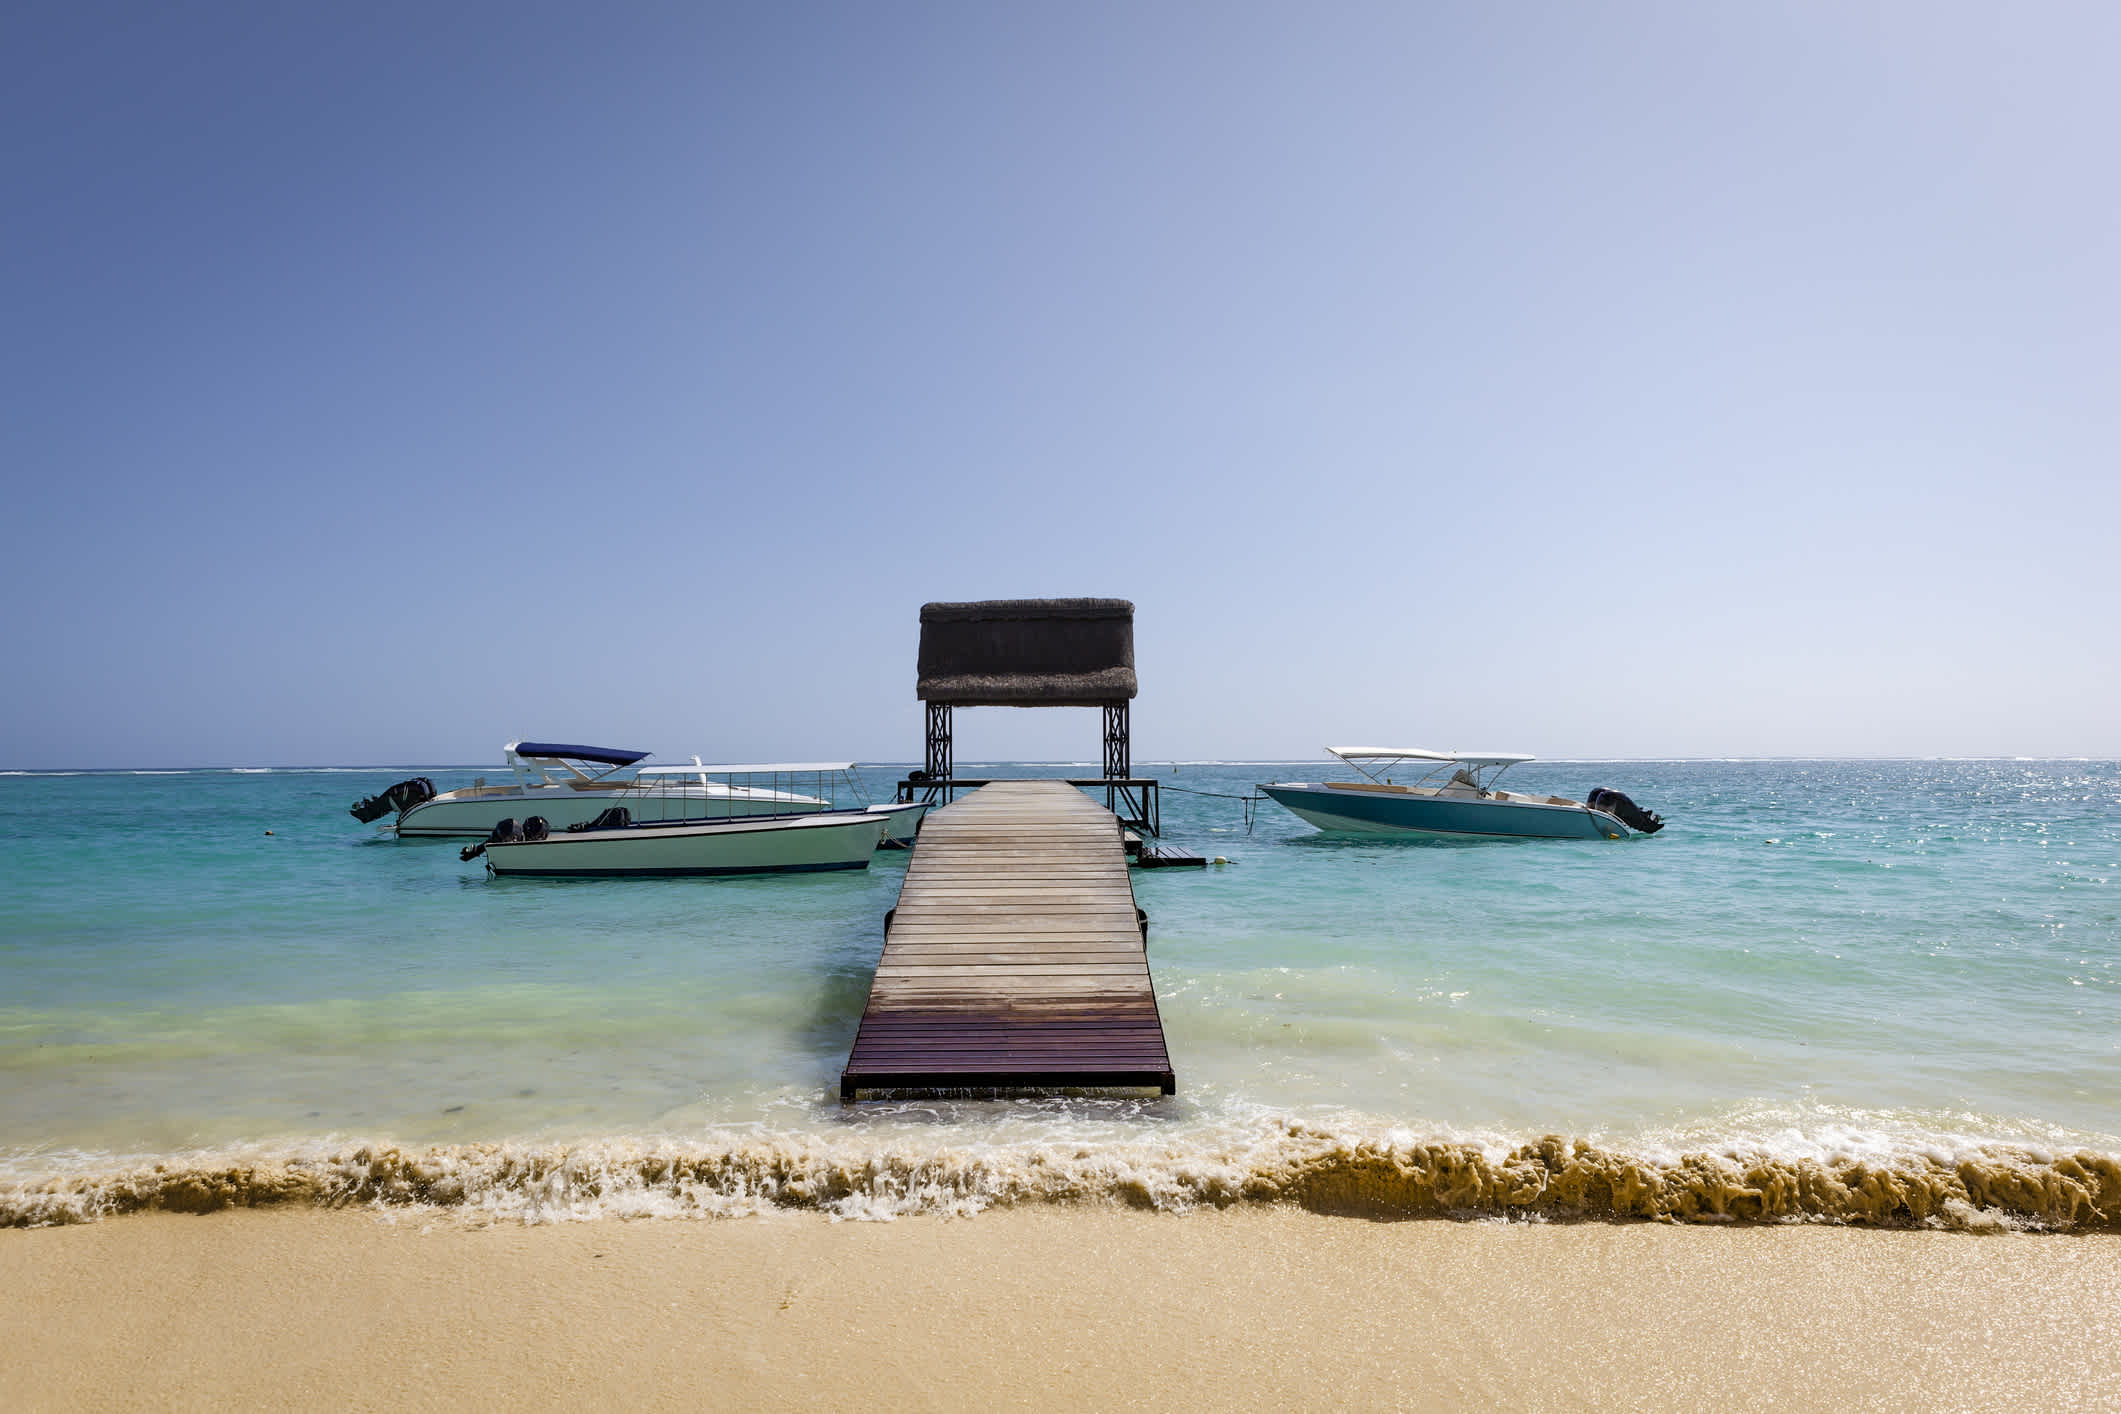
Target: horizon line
{"x":1725,"y":759}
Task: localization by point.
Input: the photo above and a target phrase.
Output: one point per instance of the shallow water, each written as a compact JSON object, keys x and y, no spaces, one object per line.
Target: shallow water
{"x":1909,"y":967}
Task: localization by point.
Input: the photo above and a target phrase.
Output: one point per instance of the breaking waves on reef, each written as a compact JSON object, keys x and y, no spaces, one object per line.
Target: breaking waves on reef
{"x":1981,"y":1187}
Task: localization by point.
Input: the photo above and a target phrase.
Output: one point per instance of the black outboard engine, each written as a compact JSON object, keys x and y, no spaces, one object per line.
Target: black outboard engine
{"x":399,"y":798}
{"x":534,"y":829}
{"x":618,"y":817}
{"x":1626,"y":811}
{"x":504,"y":832}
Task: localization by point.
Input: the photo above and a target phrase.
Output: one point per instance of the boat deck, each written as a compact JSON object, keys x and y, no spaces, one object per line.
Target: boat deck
{"x":1015,"y":959}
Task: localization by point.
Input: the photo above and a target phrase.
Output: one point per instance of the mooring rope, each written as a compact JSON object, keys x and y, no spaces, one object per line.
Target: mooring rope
{"x":1251,"y":802}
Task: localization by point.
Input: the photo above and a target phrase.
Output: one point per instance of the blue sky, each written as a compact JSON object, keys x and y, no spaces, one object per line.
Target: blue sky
{"x":1666,"y":380}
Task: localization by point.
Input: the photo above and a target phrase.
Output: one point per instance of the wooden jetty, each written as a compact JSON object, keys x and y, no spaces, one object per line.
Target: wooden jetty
{"x":1015,"y":958}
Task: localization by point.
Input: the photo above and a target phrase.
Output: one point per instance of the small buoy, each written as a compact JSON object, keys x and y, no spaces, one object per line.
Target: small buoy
{"x":1220,"y":860}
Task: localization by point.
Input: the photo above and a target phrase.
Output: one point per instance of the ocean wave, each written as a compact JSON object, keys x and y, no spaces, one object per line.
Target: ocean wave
{"x":1986,"y":1188}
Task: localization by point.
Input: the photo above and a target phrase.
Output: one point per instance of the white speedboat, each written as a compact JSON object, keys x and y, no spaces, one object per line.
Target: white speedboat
{"x":569,"y":785}
{"x":1452,"y":793}
{"x":785,"y":844}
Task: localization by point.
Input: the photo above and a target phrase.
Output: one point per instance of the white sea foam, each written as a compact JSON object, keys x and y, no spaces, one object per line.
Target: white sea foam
{"x":875,"y":1174}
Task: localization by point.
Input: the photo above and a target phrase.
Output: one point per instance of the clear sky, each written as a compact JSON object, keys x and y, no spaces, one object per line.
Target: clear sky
{"x":382,"y":382}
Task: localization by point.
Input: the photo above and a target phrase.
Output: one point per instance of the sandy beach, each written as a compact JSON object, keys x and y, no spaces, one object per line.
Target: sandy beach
{"x":1046,"y":1308}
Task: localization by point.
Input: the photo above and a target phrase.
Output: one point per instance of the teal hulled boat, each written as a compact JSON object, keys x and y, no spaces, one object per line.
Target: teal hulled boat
{"x":1452,"y":793}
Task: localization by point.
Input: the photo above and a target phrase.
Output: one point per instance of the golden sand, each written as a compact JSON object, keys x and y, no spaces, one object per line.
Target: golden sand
{"x":1264,"y":1307}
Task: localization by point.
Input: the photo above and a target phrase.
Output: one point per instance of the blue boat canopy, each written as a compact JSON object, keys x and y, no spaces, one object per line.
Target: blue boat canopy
{"x":607,"y":755}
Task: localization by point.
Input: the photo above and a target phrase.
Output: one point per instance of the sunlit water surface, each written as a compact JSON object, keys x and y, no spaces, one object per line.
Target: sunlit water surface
{"x":1814,"y":959}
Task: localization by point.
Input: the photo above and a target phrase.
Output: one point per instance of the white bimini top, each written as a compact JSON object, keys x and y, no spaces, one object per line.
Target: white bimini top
{"x":1410,"y":753}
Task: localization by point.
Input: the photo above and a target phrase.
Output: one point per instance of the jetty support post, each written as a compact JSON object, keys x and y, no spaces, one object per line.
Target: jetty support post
{"x":1118,"y":755}
{"x":938,"y":764}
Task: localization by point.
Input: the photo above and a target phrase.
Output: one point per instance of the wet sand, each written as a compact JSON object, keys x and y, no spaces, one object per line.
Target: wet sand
{"x":1268,"y":1308}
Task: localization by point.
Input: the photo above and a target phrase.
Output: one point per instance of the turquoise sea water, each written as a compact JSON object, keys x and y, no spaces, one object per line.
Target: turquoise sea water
{"x":218,"y":983}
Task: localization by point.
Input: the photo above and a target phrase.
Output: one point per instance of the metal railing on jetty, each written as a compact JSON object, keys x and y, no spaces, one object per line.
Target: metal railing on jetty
{"x":1136,"y":801}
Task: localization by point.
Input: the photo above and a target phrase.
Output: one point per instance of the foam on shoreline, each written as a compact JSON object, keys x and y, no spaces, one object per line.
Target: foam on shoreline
{"x":1985,"y":1188}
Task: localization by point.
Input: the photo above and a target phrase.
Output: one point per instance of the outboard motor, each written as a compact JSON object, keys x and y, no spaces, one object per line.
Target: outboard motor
{"x":618,"y":817}
{"x":504,"y":832}
{"x":534,"y":829}
{"x":399,"y":798}
{"x":1627,"y":812}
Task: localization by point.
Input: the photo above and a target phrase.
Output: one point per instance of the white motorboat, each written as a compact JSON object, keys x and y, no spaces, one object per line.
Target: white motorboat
{"x":824,"y":840}
{"x":568,"y":785}
{"x":1452,"y":793}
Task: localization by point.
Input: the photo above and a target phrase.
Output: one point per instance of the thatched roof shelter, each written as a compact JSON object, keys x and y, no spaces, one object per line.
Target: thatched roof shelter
{"x":1028,"y":653}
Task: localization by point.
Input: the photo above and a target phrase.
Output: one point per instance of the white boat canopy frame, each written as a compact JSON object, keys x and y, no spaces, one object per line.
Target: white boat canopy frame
{"x":826,"y":781}
{"x":783,"y":768}
{"x":1480,"y":769}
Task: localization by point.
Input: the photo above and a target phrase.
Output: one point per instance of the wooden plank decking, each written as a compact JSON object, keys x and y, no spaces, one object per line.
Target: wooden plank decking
{"x":1014,"y":959}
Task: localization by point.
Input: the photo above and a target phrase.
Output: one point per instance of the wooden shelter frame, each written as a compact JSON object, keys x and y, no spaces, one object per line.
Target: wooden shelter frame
{"x":1031,"y":653}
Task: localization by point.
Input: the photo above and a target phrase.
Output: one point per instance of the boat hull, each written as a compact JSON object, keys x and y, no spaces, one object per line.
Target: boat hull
{"x":905,"y":823}
{"x":780,"y":845}
{"x":1382,"y":813}
{"x":468,"y":815}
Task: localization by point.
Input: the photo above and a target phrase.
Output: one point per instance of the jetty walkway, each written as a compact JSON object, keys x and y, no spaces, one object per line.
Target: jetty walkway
{"x":1015,"y":958}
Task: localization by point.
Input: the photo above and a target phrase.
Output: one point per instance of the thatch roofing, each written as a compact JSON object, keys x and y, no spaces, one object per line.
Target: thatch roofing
{"x":1028,"y":653}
